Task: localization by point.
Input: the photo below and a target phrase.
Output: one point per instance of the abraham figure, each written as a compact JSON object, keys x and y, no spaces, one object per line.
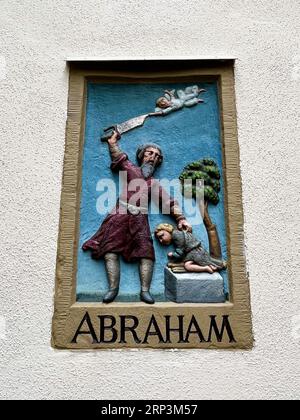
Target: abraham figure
{"x":125,"y":231}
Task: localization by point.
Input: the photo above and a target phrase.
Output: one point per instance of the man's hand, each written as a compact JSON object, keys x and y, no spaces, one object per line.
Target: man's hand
{"x":184,"y":225}
{"x":170,"y":254}
{"x":114,"y":138}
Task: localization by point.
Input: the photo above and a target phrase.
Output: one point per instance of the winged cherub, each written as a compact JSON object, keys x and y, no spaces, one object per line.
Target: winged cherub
{"x":174,"y":100}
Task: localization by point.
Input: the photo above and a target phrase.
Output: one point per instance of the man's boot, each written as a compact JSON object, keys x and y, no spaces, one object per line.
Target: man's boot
{"x":146,"y":272}
{"x":112,"y":265}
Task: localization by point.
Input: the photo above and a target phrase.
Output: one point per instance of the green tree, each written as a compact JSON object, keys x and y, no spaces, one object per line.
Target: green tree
{"x":207,"y":171}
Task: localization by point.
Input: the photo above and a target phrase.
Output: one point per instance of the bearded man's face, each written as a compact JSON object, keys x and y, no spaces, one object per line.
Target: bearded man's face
{"x":151,"y":159}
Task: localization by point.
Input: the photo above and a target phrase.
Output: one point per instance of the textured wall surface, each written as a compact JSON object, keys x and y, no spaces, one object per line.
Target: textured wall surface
{"x":35,"y":39}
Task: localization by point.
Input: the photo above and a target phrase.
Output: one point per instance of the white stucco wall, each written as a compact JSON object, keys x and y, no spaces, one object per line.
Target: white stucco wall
{"x":35,"y":38}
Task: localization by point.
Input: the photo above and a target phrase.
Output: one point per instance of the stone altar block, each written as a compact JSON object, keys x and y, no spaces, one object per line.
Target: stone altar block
{"x":194,"y":287}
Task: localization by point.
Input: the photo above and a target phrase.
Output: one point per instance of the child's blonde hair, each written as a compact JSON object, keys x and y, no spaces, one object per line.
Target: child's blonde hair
{"x":164,"y":226}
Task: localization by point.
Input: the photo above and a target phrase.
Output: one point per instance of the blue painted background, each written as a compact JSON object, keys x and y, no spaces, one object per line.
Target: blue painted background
{"x":185,"y":135}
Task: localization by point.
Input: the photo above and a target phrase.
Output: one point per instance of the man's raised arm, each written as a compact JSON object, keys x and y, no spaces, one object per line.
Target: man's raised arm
{"x":114,"y":149}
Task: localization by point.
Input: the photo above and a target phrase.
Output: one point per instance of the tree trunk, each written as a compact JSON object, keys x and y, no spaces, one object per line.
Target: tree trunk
{"x":212,"y":233}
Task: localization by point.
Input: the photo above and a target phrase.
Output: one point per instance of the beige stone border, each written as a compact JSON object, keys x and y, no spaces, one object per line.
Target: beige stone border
{"x":67,"y":312}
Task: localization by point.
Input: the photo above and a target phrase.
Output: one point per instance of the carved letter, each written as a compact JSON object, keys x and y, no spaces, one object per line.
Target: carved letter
{"x":219,"y":334}
{"x":91,"y":330}
{"x":124,"y":328}
{"x":110,"y":327}
{"x":179,"y":329}
{"x":156,"y":332}
{"x":197,"y":330}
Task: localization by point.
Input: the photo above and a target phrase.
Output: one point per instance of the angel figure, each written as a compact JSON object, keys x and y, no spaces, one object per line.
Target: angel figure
{"x":174,"y":100}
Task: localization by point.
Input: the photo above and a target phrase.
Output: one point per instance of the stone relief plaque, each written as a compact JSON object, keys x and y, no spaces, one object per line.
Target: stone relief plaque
{"x":150,"y":249}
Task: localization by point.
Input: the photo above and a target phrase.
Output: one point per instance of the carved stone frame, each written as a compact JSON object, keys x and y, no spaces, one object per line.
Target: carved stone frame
{"x":67,"y":312}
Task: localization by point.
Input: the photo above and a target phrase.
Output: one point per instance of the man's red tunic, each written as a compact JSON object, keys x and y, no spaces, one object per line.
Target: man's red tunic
{"x":129,"y":234}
